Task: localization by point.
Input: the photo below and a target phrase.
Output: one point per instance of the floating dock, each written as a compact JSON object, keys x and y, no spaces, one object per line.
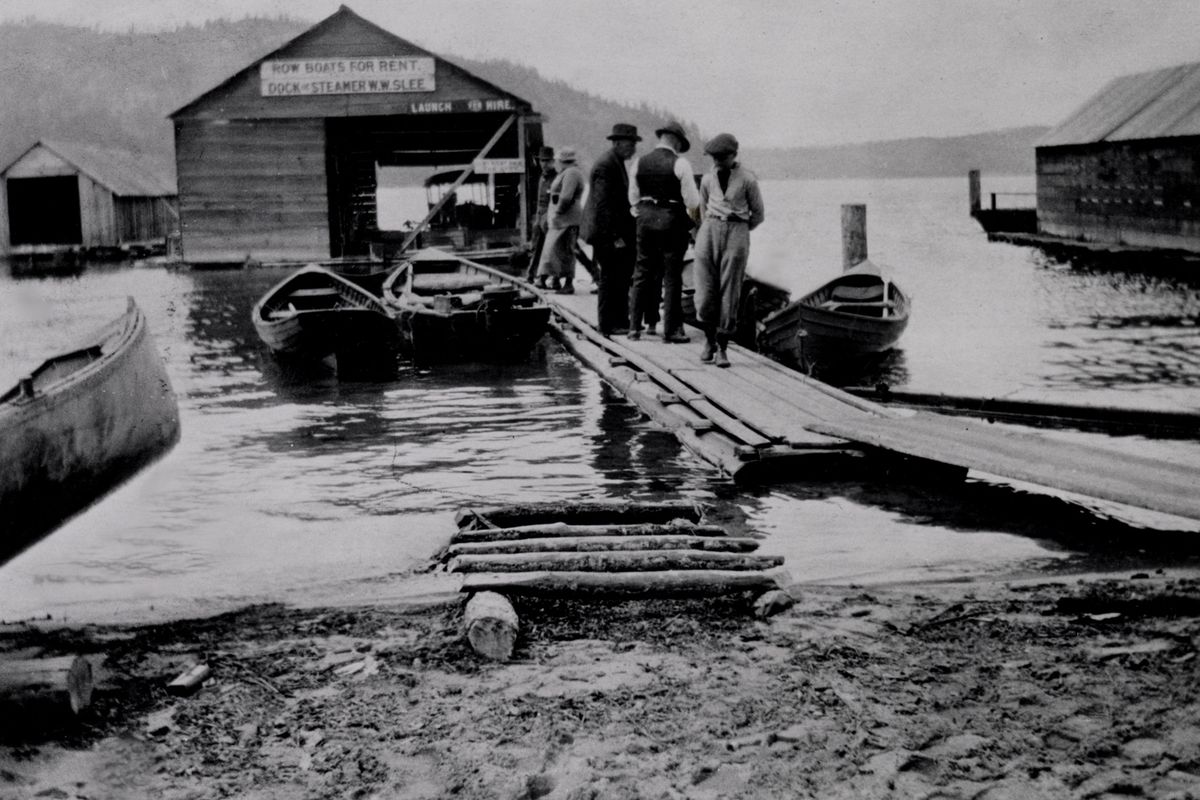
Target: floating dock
{"x":759,"y":421}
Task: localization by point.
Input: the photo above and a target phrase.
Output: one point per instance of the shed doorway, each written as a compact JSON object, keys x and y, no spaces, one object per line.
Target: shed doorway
{"x":416,"y":153}
{"x":44,"y":210}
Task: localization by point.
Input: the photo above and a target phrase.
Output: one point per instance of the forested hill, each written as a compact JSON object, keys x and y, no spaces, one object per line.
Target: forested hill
{"x":116,"y":89}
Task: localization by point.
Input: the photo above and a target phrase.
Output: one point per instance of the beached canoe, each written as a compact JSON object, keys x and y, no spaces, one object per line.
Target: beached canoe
{"x":78,"y":424}
{"x":315,"y":314}
{"x":451,"y":309}
{"x":861,"y":311}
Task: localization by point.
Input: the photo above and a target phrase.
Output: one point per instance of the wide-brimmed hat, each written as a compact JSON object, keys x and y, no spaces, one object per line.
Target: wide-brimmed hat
{"x":676,"y":129}
{"x":622,"y":130}
{"x":545,"y":153}
{"x":566,"y":155}
{"x":723,"y":144}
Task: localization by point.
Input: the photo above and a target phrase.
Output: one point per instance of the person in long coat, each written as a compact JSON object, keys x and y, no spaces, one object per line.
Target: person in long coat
{"x":566,"y":215}
{"x":545,"y":161}
{"x":611,"y":229}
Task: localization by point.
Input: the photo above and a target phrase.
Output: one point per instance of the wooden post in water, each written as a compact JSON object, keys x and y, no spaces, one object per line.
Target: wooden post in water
{"x":854,"y":235}
{"x":976,"y":191}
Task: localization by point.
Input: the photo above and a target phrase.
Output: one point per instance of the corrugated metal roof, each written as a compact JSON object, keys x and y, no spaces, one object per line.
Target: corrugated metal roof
{"x":1147,"y":105}
{"x":123,"y":173}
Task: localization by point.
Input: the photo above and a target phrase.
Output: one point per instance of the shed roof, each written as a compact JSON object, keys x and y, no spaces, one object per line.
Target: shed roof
{"x":342,"y":35}
{"x":123,"y":173}
{"x":1147,"y":105}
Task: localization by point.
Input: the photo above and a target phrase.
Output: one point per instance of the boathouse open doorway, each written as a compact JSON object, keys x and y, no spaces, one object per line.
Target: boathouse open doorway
{"x":44,"y":210}
{"x":429,"y":151}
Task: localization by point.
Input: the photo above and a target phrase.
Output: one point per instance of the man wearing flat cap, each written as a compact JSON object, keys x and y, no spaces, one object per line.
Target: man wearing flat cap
{"x":731,"y":207}
{"x":663,"y":196}
{"x":566,"y":214}
{"x":545,"y":158}
{"x":609,"y":227}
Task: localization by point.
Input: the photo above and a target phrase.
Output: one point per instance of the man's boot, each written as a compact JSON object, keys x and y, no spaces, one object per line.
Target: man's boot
{"x":719,"y":358}
{"x":568,"y":287}
{"x":709,"y":350}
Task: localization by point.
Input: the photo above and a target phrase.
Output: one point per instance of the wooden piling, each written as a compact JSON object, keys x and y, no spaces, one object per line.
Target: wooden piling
{"x":854,"y":235}
{"x":976,"y":191}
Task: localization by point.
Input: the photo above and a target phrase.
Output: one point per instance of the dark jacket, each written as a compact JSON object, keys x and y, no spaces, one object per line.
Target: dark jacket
{"x":606,"y":217}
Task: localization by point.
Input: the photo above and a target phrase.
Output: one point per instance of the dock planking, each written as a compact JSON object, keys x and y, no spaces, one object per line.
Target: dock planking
{"x":796,"y":419}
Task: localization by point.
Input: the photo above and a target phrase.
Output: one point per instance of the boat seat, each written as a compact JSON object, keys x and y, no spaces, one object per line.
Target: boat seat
{"x":845,"y":293}
{"x":317,"y":291}
{"x":448,"y":282}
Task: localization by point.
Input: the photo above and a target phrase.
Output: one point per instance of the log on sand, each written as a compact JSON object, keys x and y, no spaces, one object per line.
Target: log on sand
{"x":678,"y":583}
{"x":55,"y":684}
{"x":581,"y":513}
{"x":612,"y":561}
{"x":727,"y":544}
{"x":561,"y":529}
{"x":491,"y":625}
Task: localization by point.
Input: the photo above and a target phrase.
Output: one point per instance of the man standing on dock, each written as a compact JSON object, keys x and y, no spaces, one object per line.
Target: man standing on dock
{"x":545,"y":160}
{"x":610,"y":228}
{"x":664,"y":198}
{"x":731,"y":206}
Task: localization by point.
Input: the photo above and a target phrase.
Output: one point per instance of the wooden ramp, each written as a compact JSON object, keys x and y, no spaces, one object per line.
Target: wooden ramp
{"x":759,"y":421}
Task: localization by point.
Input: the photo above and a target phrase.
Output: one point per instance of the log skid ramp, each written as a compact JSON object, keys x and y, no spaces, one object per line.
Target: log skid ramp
{"x":603,"y":550}
{"x":759,"y":421}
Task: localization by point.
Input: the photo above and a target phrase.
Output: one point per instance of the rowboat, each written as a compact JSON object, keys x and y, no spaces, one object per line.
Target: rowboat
{"x":78,"y":424}
{"x":316,"y":315}
{"x":861,"y":311}
{"x":451,"y":309}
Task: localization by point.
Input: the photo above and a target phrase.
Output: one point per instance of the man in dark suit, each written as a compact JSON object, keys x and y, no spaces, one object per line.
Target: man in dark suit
{"x":611,"y":229}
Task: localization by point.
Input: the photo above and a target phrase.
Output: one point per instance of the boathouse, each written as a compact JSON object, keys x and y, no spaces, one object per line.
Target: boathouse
{"x":1124,"y":168}
{"x":72,"y":196}
{"x":282,"y":161}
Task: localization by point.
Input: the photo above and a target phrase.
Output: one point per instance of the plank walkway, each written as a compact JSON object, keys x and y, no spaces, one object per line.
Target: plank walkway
{"x":759,"y":421}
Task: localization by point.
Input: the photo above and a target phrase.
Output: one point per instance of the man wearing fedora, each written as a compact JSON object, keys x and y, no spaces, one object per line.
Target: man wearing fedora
{"x":610,"y":229}
{"x":666,"y":202}
{"x":566,"y":214}
{"x":545,"y":158}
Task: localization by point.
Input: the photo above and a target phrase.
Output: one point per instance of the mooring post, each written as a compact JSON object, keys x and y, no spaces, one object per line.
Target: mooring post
{"x":854,"y":235}
{"x":976,"y":191}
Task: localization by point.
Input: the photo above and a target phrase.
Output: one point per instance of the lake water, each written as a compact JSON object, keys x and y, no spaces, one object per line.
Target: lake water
{"x":289,"y":487}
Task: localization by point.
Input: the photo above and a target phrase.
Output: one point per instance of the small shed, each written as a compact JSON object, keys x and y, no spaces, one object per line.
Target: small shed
{"x":67,"y":195}
{"x":1124,"y":168}
{"x":282,"y":161}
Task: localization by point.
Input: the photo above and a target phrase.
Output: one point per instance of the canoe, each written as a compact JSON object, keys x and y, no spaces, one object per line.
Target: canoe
{"x":860,"y":312}
{"x":451,"y":309}
{"x":79,"y":424}
{"x":314,"y":315}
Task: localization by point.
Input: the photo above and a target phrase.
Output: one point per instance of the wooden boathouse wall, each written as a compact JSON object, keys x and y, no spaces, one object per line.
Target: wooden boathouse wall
{"x":1124,"y":168}
{"x":282,"y":176}
{"x":74,"y":195}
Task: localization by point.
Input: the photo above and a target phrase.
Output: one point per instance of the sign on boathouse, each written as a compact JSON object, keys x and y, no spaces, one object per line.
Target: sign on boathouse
{"x":364,"y":75}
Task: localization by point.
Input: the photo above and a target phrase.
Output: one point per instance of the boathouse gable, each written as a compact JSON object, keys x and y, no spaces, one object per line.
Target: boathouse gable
{"x":68,"y":195}
{"x":1124,"y":168}
{"x":280,"y":162}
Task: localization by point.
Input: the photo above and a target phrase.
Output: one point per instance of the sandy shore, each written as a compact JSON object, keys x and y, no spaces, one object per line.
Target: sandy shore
{"x":1046,"y":688}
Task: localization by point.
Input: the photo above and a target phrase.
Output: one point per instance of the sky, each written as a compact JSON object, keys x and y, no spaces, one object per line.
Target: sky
{"x":773,"y":72}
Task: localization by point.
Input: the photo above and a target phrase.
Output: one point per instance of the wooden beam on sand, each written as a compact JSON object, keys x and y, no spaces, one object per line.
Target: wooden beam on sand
{"x":560,"y":530}
{"x":612,"y":561}
{"x":678,"y":583}
{"x":726,"y":544}
{"x":58,"y":683}
{"x":582,"y":513}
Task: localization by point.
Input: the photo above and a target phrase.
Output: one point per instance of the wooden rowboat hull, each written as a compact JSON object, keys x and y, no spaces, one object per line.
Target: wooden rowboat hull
{"x":858,"y":313}
{"x":451,"y":309}
{"x":314,"y":314}
{"x":80,"y":424}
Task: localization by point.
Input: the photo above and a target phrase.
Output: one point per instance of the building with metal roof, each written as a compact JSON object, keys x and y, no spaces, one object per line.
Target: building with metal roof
{"x":282,"y":161}
{"x":69,"y":195}
{"x":1124,"y":168}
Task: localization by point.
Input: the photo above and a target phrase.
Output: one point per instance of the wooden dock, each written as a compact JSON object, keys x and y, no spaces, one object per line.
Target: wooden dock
{"x":759,"y":421}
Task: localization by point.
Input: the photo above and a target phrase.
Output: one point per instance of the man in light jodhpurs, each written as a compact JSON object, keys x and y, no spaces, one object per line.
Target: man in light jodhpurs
{"x":731,"y":206}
